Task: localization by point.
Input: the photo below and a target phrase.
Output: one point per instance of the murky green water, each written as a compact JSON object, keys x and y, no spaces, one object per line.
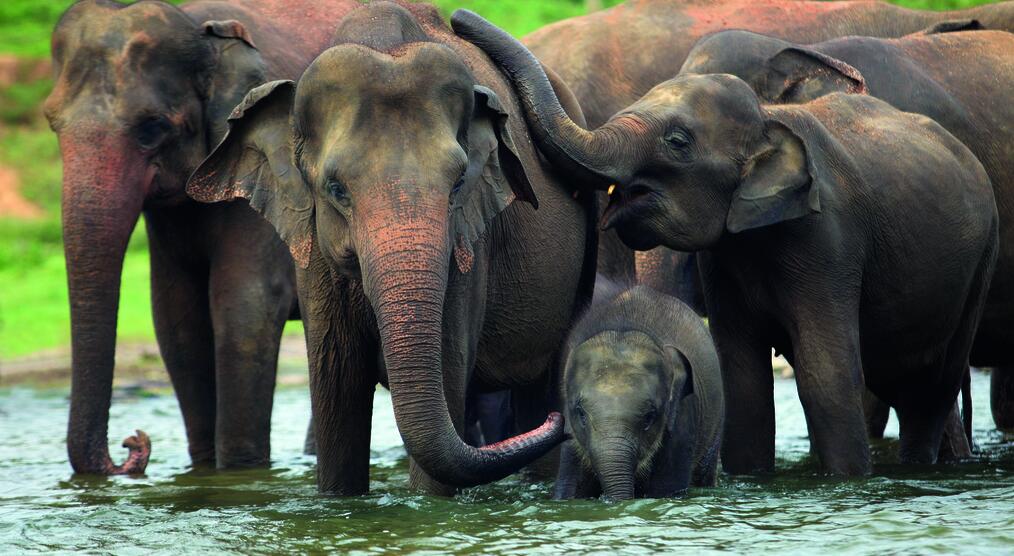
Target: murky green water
{"x":966,"y":508}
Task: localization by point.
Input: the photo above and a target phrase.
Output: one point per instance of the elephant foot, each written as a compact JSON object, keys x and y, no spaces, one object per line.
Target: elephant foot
{"x":877,"y":413}
{"x":954,"y":445}
{"x":139,"y":446}
{"x":1001,"y":397}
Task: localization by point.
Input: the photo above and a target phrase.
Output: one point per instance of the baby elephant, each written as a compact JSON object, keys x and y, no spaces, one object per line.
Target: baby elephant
{"x":855,"y":238}
{"x":643,"y":398}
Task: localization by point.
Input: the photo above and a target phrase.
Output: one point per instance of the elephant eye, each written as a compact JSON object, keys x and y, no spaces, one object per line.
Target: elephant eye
{"x":152,"y":132}
{"x":337,"y":189}
{"x":581,"y":415}
{"x":678,"y":140}
{"x":649,"y":418}
{"x":458,"y":184}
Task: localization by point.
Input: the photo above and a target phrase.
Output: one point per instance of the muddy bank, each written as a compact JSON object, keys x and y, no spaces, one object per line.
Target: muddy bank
{"x":135,"y":362}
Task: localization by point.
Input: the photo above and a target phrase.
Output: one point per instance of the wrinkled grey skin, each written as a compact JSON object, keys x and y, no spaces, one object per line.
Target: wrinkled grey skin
{"x":141,"y":95}
{"x":405,"y":187}
{"x":959,"y":76}
{"x":643,"y":398}
{"x":808,"y":217}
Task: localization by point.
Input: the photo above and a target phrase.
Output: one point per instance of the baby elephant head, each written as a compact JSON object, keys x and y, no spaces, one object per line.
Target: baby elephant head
{"x":695,"y":158}
{"x":623,"y":396}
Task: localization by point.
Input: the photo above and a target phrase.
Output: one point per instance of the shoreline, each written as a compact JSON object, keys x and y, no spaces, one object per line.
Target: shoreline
{"x":135,"y":362}
{"x":141,"y":362}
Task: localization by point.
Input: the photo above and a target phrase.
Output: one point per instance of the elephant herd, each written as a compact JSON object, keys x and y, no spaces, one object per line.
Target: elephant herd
{"x":435,"y":201}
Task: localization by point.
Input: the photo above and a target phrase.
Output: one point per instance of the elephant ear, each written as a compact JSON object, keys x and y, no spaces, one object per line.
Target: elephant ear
{"x":797,"y":75}
{"x":680,"y":361}
{"x":239,"y":68}
{"x":952,"y":26}
{"x":255,"y":161}
{"x":494,"y":178}
{"x":777,"y":184}
{"x":680,"y":365}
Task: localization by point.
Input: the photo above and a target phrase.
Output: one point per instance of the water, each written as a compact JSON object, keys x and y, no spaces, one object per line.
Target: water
{"x":966,"y":508}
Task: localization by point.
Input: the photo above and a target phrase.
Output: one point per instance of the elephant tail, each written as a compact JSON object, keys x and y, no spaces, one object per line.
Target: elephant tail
{"x":966,"y":404}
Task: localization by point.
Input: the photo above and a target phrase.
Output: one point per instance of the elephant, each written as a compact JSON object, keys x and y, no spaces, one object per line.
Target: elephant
{"x":955,"y":74}
{"x":401,"y":175}
{"x":822,"y":228}
{"x":613,"y":57}
{"x":642,"y":396}
{"x":672,"y":273}
{"x":142,"y":92}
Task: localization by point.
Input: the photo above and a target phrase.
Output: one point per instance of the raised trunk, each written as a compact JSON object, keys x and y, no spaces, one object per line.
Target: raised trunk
{"x":589,"y":155}
{"x":102,"y":197}
{"x":405,"y":267}
{"x":615,"y":463}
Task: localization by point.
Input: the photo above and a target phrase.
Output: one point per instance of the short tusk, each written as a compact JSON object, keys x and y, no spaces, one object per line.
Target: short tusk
{"x":611,"y":189}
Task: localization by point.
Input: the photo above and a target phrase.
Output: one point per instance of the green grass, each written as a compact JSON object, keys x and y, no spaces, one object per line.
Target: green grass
{"x":33,"y":290}
{"x":34,"y":308}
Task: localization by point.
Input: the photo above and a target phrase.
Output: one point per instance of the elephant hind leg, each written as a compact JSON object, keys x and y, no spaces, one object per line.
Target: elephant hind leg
{"x":877,"y":413}
{"x":1001,"y":397}
{"x":921,"y":422}
{"x":954,"y":445}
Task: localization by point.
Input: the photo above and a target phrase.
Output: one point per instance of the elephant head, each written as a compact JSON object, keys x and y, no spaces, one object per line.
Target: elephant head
{"x":389,"y":160}
{"x":695,"y":158}
{"x":141,"y":92}
{"x":623,"y":391}
{"x":779,"y":71}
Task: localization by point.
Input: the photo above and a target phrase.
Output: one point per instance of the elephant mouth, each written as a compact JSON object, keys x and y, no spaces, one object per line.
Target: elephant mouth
{"x":625,"y":204}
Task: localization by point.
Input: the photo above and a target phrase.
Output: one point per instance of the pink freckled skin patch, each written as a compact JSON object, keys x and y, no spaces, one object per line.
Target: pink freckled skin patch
{"x":553,"y":424}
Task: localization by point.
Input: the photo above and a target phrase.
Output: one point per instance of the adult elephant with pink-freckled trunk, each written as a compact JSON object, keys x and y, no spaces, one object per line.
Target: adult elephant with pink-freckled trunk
{"x":401,"y":174}
{"x":141,"y":95}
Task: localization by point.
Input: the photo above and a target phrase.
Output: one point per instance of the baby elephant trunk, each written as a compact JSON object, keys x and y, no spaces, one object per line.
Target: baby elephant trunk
{"x":615,"y":461}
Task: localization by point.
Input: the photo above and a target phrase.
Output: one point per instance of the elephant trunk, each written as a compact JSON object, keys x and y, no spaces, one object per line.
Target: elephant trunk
{"x":103,"y":193}
{"x":615,"y":461}
{"x":591,"y":156}
{"x":405,"y":264}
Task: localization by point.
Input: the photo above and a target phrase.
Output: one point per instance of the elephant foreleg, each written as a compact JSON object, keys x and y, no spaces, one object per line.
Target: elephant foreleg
{"x":251,"y":293}
{"x":179,"y":295}
{"x":748,"y":444}
{"x":829,"y":376}
{"x":343,"y":378}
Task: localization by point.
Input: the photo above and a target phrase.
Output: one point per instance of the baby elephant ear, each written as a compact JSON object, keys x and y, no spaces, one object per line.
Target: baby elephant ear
{"x":777,"y":183}
{"x":255,"y":162}
{"x":680,"y":361}
{"x":796,"y":75}
{"x":492,"y":181}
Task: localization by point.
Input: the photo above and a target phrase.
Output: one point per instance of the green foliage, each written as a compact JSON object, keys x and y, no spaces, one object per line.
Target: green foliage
{"x":33,"y":286}
{"x":34,"y":152}
{"x":19,"y":103}
{"x":34,"y":310}
{"x":25,"y":25}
